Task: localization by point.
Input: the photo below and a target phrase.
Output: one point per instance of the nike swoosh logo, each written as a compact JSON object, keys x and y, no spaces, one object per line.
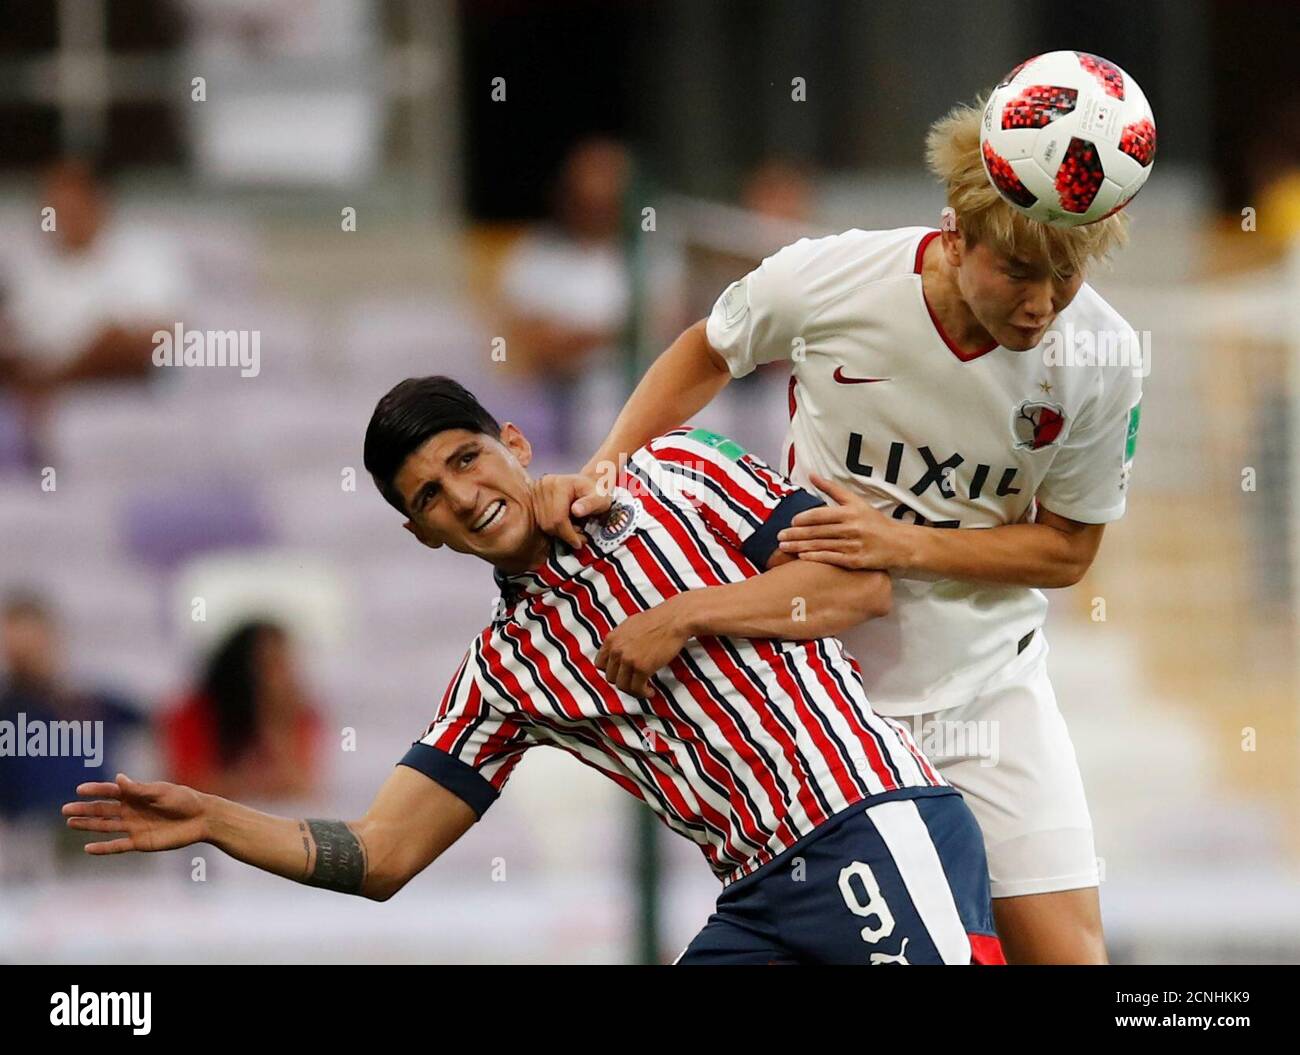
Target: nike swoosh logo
{"x":839,"y":376}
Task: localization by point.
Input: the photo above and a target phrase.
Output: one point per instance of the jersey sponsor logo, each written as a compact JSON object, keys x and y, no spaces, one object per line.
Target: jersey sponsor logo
{"x":844,"y":379}
{"x":1037,"y":425}
{"x":938,"y":472}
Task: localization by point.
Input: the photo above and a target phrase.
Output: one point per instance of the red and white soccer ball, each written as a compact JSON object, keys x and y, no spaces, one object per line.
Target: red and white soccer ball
{"x":1068,"y":138}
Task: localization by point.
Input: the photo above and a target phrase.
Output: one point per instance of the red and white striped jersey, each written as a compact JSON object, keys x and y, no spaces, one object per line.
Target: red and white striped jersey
{"x":744,"y":746}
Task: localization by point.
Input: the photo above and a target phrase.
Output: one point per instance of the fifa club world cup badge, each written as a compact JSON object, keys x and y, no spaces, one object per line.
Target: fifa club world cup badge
{"x":1037,"y":425}
{"x":617,"y":523}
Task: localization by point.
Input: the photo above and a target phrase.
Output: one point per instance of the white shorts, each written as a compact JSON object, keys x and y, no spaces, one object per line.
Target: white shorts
{"x":1009,"y":753}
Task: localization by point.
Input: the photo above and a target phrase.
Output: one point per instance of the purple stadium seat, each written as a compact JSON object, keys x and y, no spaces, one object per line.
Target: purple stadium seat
{"x":162,"y":528}
{"x":14,"y":447}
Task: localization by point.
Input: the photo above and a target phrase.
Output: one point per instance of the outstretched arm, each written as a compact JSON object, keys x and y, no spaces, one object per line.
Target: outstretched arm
{"x":411,"y":821}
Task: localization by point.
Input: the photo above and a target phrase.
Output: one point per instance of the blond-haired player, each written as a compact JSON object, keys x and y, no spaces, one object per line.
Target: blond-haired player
{"x":932,"y":393}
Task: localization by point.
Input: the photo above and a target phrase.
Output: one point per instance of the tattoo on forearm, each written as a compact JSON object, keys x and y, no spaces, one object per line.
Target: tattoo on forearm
{"x":306,"y":849}
{"x":340,"y":857}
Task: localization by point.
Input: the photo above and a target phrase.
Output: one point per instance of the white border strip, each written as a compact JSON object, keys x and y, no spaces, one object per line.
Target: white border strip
{"x":908,"y":840}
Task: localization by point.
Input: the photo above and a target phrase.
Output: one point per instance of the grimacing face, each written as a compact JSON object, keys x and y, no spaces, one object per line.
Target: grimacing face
{"x":471,"y":492}
{"x":1015,"y":300}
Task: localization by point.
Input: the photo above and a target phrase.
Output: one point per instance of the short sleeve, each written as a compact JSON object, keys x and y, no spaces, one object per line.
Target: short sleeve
{"x":471,"y":747}
{"x":758,"y":318}
{"x":1088,"y":479}
{"x":775,"y":311}
{"x":742,"y":500}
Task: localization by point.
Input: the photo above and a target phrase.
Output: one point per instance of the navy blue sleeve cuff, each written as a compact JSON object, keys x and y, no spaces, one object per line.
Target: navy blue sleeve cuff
{"x":462,"y":780}
{"x":760,"y":546}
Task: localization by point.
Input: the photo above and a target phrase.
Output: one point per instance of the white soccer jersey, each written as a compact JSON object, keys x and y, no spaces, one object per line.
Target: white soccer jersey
{"x":882,"y":402}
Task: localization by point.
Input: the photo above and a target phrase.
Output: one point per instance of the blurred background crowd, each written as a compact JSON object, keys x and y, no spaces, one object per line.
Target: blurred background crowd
{"x":535,"y":198}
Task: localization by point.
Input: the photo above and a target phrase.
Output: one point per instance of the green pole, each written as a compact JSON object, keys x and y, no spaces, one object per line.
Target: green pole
{"x":645,"y":825}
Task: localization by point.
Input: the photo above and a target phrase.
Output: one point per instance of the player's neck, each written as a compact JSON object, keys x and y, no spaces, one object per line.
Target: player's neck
{"x":531,"y":556}
{"x":943,"y":295}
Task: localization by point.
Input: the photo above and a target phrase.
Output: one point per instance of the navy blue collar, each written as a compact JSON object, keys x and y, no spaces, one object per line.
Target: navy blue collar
{"x":512,"y":586}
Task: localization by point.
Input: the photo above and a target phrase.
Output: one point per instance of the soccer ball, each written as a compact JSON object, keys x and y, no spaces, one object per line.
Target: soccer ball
{"x":1068,"y":138}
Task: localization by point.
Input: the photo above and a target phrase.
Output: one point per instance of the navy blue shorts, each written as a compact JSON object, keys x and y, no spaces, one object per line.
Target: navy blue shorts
{"x":898,"y":878}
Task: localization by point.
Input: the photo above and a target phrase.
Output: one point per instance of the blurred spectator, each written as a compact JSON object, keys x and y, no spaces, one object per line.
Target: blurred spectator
{"x":35,"y":780}
{"x":83,"y":300}
{"x":778,"y":197}
{"x":564,"y":287}
{"x":248,"y":730}
{"x":565,"y":290}
{"x":779,"y":189}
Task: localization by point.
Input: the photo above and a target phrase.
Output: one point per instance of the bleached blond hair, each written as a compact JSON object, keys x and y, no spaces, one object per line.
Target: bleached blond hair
{"x":952,"y":150}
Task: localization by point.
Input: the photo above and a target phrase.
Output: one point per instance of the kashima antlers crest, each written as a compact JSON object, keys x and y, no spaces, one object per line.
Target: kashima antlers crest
{"x":1037,"y":425}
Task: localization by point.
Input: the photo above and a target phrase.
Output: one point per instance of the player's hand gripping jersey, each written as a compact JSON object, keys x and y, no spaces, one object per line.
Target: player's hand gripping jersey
{"x":882,"y":402}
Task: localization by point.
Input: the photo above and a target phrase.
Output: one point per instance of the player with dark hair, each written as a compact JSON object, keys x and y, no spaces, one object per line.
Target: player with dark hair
{"x":744,"y":726}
